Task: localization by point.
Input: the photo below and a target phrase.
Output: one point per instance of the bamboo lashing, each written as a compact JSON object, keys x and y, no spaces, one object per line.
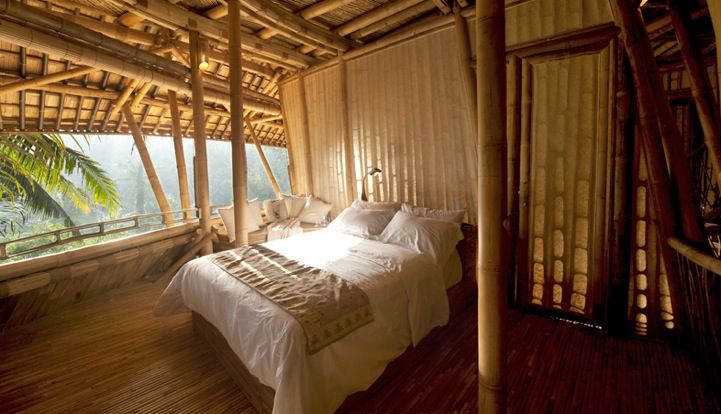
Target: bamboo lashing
{"x":9,"y":88}
{"x":179,"y":152}
{"x":240,"y":166}
{"x":701,"y":88}
{"x":263,"y":159}
{"x":202,"y":194}
{"x":493,"y":238}
{"x":147,"y":164}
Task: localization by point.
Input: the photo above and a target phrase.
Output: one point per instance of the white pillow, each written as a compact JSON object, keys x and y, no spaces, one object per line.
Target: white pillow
{"x":437,"y":238}
{"x":275,"y":210}
{"x":295,"y":204}
{"x":373,"y":205}
{"x":252,"y":216}
{"x":455,"y":216}
{"x":315,"y":211}
{"x":361,"y":223}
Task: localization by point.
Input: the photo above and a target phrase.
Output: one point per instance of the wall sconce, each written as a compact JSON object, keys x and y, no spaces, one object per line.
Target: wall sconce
{"x":372,"y":172}
{"x":203,"y":61}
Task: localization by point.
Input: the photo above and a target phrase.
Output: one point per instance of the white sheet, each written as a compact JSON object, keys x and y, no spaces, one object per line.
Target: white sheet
{"x":405,"y":289}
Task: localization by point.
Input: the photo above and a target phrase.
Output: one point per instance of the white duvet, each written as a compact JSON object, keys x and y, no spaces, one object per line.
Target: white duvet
{"x":406,"y":291}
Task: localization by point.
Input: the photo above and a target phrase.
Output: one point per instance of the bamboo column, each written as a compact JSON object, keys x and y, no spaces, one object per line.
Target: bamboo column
{"x":148,"y":164}
{"x":240,"y":168}
{"x":202,"y":195}
{"x":701,"y":88}
{"x":263,"y":159}
{"x":179,"y":153}
{"x":306,"y":139}
{"x":493,"y":236}
{"x":346,"y":132}
{"x":636,"y":41}
{"x":643,"y":64}
{"x":513,"y":165}
{"x":468,"y":77}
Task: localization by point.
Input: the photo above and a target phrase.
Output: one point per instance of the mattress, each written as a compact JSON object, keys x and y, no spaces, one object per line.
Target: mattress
{"x":406,"y":292}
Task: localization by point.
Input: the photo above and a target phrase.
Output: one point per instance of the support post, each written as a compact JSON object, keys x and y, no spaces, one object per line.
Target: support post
{"x":240,"y":169}
{"x":346,"y":132}
{"x":263,"y":159}
{"x":635,"y":40}
{"x":179,"y":154}
{"x":701,"y":88}
{"x":493,"y":237}
{"x":202,"y":195}
{"x":306,"y":139}
{"x":148,"y":164}
{"x":468,"y":77}
{"x":513,"y":165}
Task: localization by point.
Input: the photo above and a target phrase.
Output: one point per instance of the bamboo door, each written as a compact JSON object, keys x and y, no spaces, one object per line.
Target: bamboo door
{"x":567,"y":127}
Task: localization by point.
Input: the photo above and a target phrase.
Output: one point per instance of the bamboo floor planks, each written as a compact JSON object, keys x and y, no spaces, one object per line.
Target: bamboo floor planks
{"x":109,"y":354}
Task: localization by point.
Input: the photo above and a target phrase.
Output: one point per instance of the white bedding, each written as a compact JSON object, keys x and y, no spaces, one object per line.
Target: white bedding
{"x":405,"y":289}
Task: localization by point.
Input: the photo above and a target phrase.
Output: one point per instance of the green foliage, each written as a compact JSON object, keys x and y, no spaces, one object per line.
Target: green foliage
{"x":34,"y":167}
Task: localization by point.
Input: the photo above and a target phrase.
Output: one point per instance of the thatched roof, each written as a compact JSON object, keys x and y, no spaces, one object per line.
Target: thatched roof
{"x":154,"y":36}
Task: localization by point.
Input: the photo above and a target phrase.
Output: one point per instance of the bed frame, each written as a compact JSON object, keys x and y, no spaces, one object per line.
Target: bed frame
{"x":460,"y":297}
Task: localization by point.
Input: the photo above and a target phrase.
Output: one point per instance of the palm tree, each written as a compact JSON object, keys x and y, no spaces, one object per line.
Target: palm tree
{"x":35,"y":166}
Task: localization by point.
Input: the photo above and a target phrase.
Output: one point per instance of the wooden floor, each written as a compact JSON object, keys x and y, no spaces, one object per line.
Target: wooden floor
{"x":109,"y":354}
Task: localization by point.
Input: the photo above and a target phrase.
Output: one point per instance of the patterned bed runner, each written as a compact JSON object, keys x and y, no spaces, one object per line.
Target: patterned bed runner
{"x":326,"y":306}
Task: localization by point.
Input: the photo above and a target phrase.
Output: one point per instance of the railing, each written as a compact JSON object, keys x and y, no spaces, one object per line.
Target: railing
{"x":700,"y":285}
{"x":45,"y":241}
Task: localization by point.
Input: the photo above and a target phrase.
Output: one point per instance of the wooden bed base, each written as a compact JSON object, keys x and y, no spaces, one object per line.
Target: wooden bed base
{"x":460,"y":297}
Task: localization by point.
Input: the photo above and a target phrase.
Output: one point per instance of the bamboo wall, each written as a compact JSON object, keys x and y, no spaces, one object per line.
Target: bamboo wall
{"x":46,"y":284}
{"x":407,"y":116}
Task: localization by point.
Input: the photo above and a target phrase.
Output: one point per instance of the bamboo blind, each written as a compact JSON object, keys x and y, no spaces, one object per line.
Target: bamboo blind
{"x":408,"y":116}
{"x":569,"y":135}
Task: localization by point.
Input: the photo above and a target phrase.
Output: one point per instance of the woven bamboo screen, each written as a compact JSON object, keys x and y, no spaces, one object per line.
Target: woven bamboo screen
{"x":407,"y":116}
{"x":293,"y":114}
{"x":569,"y":139}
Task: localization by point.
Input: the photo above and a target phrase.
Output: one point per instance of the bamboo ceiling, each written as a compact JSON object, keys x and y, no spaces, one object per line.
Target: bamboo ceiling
{"x":134,"y":51}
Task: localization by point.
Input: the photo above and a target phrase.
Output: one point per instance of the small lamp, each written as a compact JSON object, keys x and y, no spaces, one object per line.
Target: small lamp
{"x":203,"y":64}
{"x":372,"y":172}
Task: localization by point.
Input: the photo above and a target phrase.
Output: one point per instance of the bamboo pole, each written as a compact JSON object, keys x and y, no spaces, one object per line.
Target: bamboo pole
{"x":202,"y":195}
{"x":393,"y":20}
{"x":493,"y":271}
{"x":179,"y":154}
{"x":263,"y":159}
{"x":701,"y":88}
{"x":140,"y":94}
{"x":375,"y":15}
{"x":346,"y":132}
{"x":468,"y":77}
{"x":123,"y":97}
{"x":640,"y":56}
{"x":202,"y":240}
{"x":113,"y":30}
{"x":240,"y":167}
{"x":44,"y":80}
{"x":147,"y":164}
{"x":513,"y":164}
{"x":306,"y":140}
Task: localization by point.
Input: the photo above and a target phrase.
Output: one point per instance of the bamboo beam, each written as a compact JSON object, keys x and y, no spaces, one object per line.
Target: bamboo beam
{"x":216,"y":12}
{"x":468,"y":77}
{"x":60,"y":24}
{"x":442,"y":5}
{"x":115,"y":31}
{"x":202,"y":195}
{"x":44,"y":80}
{"x":237,"y":142}
{"x":346,"y":132}
{"x":140,"y":94}
{"x":173,"y":17}
{"x":701,"y":88}
{"x":179,"y":153}
{"x":297,"y":25}
{"x":639,"y":52}
{"x":493,"y":238}
{"x":322,"y":7}
{"x":263,"y":159}
{"x":148,"y":164}
{"x":391,"y":21}
{"x":377,"y":14}
{"x":123,"y":97}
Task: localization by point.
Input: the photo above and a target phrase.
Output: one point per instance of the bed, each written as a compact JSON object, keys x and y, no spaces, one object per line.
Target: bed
{"x":406,"y":290}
